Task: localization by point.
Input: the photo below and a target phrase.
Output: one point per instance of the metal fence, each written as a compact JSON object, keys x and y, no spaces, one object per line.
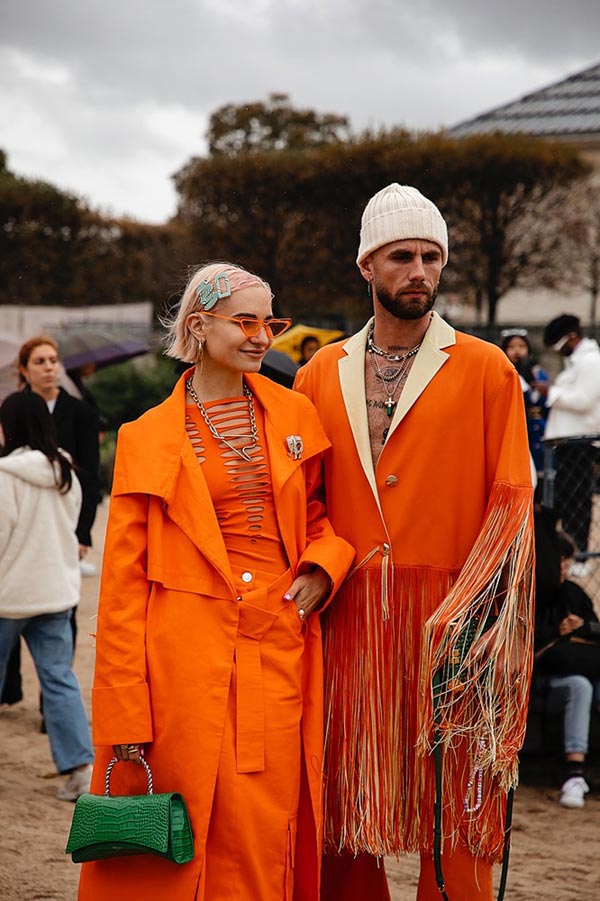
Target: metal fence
{"x":571,"y":487}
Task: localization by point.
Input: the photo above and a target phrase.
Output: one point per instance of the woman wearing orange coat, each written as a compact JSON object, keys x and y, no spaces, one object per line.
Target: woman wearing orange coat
{"x":208,"y":658}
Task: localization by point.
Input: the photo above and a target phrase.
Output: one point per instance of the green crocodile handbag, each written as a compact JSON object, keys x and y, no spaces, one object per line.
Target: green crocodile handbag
{"x":121,"y":825}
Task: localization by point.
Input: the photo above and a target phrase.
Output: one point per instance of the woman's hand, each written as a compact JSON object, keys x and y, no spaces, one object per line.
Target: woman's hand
{"x":308,"y":590}
{"x":131,"y":752}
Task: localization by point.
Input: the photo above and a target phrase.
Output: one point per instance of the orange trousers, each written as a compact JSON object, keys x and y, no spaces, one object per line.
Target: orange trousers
{"x":349,"y":878}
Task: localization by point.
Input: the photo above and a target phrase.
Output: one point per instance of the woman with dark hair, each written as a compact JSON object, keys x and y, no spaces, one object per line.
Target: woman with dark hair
{"x":535,"y":383}
{"x":76,"y":424}
{"x":76,"y":427}
{"x":218,"y":559}
{"x":40,"y":498}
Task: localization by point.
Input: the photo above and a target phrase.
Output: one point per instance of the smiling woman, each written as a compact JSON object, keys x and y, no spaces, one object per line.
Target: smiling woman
{"x":218,"y":553}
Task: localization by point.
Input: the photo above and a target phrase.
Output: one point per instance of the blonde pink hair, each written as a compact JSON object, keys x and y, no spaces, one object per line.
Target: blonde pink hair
{"x":180,"y":342}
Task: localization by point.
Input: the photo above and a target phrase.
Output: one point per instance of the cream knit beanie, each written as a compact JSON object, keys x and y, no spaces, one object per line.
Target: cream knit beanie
{"x":399,"y":213}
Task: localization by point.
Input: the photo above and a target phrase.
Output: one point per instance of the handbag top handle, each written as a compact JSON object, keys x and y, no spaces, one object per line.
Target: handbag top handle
{"x":109,"y":771}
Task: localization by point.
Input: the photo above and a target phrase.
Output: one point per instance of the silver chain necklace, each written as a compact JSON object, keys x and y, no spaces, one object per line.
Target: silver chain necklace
{"x":393,"y":358}
{"x":392,"y":377}
{"x":242,"y":452}
{"x":391,"y":383}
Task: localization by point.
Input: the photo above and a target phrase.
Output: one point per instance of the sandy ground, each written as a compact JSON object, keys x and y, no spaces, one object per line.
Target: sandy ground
{"x":555,"y":854}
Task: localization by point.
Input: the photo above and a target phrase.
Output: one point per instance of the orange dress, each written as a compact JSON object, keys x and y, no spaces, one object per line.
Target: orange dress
{"x":213,"y":670}
{"x":442,"y":527}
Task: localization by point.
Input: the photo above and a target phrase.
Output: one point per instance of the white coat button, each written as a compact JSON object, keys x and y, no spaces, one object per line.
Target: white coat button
{"x":391,"y":481}
{"x":247,"y":577}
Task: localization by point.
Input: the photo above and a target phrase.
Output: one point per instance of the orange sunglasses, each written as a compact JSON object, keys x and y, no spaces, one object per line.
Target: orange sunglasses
{"x":251,"y":327}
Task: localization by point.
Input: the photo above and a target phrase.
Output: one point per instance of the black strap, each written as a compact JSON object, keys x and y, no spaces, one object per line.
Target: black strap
{"x":437,"y":827}
{"x":437,"y":818}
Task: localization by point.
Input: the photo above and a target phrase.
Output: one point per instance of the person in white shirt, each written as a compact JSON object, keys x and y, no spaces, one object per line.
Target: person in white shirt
{"x":573,"y":402}
{"x":40,"y":499}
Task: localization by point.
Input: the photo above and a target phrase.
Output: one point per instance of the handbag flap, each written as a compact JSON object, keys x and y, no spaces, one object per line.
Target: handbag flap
{"x":140,"y":820}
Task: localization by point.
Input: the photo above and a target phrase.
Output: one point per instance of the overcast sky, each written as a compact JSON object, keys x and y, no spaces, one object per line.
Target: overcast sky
{"x":109,"y":99}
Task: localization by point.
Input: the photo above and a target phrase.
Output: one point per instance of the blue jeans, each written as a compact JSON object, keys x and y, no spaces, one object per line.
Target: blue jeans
{"x":50,"y":641}
{"x":574,"y":694}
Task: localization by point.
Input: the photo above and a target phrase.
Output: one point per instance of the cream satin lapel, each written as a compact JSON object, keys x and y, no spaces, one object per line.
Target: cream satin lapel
{"x":351,"y":369}
{"x":428,"y":362}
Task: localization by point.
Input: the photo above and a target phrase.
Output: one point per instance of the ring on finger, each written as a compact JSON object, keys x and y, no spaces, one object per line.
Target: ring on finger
{"x":301,"y":612}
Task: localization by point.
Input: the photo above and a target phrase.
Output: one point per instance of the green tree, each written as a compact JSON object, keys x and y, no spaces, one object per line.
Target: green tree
{"x":272,"y":125}
{"x":580,"y":250}
{"x":39,"y":227}
{"x":55,"y":250}
{"x":125,"y":391}
{"x":505,"y":212}
{"x":294,"y":215}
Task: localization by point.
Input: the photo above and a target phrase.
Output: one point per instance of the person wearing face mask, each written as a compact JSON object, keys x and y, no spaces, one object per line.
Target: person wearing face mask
{"x":218,"y":559}
{"x":535,"y":383}
{"x":573,"y":402}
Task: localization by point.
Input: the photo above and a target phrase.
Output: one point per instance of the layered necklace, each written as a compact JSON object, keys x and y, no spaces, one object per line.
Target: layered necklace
{"x":252,"y":438}
{"x":391,"y":377}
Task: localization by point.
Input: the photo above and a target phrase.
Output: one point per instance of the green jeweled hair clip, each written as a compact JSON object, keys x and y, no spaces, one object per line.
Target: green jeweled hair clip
{"x":209,"y":293}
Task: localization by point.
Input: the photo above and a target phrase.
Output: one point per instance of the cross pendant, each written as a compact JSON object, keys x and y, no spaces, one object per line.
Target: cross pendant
{"x":389,"y":406}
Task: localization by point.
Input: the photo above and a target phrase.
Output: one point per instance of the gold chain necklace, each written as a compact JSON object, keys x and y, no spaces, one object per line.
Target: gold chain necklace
{"x":242,"y":452}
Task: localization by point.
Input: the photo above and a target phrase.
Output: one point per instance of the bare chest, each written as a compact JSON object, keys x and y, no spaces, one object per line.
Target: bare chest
{"x":384,"y":383}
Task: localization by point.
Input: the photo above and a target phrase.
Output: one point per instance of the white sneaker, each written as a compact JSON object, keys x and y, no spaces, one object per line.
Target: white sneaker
{"x":573,"y":792}
{"x":86,"y":568}
{"x":77,"y":784}
{"x":580,"y":569}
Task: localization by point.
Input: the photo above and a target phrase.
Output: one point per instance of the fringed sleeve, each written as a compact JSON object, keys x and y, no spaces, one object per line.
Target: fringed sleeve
{"x":477,"y":646}
{"x":483,"y":693}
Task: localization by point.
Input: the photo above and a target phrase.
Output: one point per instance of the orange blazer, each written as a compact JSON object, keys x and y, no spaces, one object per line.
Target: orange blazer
{"x":442,"y":528}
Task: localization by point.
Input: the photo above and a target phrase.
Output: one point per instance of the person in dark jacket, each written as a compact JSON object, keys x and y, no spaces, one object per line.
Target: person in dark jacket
{"x":567,"y":655}
{"x":76,"y":426}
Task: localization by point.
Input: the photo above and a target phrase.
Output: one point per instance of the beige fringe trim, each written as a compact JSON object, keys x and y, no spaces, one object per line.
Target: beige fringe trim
{"x":381,"y":651}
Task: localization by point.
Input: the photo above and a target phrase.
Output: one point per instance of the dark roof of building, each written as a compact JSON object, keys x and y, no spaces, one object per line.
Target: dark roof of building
{"x":569,"y":107}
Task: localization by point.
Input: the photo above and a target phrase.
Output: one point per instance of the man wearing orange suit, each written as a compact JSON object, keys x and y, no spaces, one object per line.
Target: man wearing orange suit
{"x":428,"y":477}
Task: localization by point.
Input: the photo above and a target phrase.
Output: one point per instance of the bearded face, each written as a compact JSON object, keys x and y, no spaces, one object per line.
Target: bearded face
{"x":412,"y":302}
{"x":404,"y":276}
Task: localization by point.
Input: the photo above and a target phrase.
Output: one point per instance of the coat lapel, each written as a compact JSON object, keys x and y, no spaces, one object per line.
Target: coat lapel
{"x":351,"y":370}
{"x":159,"y":460}
{"x":189,"y":504}
{"x":428,"y":362}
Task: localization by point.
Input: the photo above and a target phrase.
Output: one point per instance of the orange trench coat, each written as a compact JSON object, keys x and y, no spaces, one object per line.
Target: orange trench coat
{"x":167,"y":625}
{"x":442,"y":527}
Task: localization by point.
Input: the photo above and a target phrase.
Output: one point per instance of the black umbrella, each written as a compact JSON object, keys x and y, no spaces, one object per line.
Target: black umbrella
{"x":279,"y":367}
{"x":81,"y":347}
